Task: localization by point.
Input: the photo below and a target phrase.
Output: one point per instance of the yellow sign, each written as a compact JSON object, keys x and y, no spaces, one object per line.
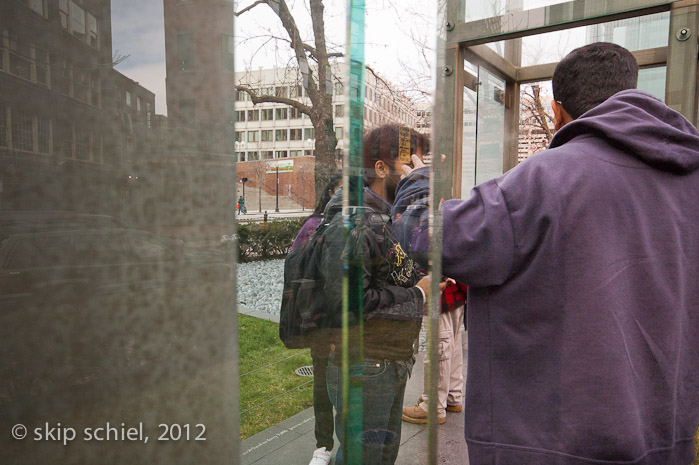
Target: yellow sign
{"x":404,"y":145}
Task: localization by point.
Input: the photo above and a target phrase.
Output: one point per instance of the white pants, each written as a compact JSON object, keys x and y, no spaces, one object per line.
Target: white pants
{"x":450,"y":387}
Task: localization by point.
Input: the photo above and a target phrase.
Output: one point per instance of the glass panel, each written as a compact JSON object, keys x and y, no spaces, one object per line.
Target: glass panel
{"x":468,"y":141}
{"x":478,"y":9}
{"x":639,"y":33}
{"x":652,"y":80}
{"x":490,"y":126}
{"x":536,"y":126}
{"x":118,"y":322}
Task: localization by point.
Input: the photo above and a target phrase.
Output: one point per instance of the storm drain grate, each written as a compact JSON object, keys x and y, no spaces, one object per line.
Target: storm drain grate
{"x":304,"y":371}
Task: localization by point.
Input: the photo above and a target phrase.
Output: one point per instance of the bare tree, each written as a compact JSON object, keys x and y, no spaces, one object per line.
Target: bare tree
{"x":313,"y":60}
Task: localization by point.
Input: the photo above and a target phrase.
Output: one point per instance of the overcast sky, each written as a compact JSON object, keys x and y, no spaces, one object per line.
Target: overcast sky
{"x":138,"y":31}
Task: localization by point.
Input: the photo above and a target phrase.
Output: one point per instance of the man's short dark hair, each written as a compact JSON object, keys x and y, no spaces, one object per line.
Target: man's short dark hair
{"x":589,"y":75}
{"x":382,"y":144}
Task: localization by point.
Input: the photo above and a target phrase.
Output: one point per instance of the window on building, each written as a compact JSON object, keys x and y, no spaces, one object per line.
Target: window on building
{"x":253,"y":136}
{"x":92,"y":37}
{"x":138,"y":103}
{"x":309,"y":133}
{"x":295,"y":134}
{"x":185,"y":51}
{"x":239,"y":136}
{"x":253,"y":115}
{"x":281,"y":134}
{"x":308,"y":153}
{"x":44,"y":134}
{"x":281,"y":113}
{"x":3,"y":125}
{"x":339,"y":133}
{"x":95,"y":98}
{"x":267,"y":135}
{"x":63,"y":13}
{"x":339,"y":111}
{"x":295,"y":91}
{"x":41,"y":63}
{"x":280,"y":154}
{"x":240,"y":116}
{"x":339,"y":88}
{"x":240,"y":156}
{"x":241,"y":96}
{"x":22,"y":131}
{"x":267,"y":114}
{"x":294,"y":113}
{"x":253,"y":156}
{"x":20,"y":59}
{"x":77,"y":21}
{"x":295,"y":153}
{"x":227,"y":44}
{"x":128,"y":98}
{"x":267,"y":154}
{"x":280,"y":91}
{"x":39,"y":6}
{"x":82,"y":145}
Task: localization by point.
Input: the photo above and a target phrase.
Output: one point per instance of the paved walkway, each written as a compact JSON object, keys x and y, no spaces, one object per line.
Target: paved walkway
{"x":292,"y":442}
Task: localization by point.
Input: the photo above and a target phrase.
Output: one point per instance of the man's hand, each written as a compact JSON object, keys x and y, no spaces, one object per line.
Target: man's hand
{"x":417,"y":163}
{"x":424,"y":284}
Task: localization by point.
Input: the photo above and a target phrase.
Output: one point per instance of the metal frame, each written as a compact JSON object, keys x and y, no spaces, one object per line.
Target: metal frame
{"x":680,"y":56}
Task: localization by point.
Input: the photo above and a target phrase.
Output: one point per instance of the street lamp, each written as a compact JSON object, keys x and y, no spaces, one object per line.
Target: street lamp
{"x":303,"y":188}
{"x":243,"y":180}
{"x":276,"y":208}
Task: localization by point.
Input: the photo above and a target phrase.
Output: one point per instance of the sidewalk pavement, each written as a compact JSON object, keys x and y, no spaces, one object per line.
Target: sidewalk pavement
{"x":255,"y":215}
{"x":292,"y":441}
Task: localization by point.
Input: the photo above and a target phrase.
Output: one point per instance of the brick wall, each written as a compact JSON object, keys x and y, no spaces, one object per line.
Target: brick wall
{"x":290,"y":184}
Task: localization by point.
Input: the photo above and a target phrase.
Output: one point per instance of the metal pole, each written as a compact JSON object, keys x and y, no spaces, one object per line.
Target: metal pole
{"x":303,"y":188}
{"x":276,"y":209}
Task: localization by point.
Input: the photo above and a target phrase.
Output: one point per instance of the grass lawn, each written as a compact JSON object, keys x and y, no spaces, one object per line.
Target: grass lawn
{"x":270,"y":391}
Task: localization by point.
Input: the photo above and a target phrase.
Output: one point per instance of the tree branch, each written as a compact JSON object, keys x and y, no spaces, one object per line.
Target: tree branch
{"x":255,"y":99}
{"x":248,"y":8}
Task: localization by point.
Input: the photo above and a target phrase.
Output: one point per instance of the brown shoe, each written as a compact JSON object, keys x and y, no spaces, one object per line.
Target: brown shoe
{"x":417,"y":415}
{"x":454,"y":408}
{"x":450,"y":408}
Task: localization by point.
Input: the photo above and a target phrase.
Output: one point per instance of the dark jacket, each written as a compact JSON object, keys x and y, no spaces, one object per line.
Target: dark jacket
{"x":583,"y":266}
{"x":392,"y":305}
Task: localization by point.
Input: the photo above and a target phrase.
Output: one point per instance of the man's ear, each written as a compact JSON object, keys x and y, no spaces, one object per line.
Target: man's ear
{"x":560,"y":115}
{"x":381,"y":169}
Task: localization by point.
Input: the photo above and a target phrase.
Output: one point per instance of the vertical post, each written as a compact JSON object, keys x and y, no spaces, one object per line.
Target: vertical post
{"x":303,"y":188}
{"x":276,"y":209}
{"x":681,"y":83}
{"x":352,"y":280}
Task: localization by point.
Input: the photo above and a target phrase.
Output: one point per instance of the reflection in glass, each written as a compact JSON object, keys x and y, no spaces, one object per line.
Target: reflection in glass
{"x":490,"y":126}
{"x":117,"y":305}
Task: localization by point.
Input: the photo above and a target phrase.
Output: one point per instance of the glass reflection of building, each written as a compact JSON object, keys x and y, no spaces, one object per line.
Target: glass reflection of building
{"x":67,"y":118}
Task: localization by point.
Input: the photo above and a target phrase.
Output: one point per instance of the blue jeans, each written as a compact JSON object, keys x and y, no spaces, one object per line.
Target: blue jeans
{"x":383,"y":388}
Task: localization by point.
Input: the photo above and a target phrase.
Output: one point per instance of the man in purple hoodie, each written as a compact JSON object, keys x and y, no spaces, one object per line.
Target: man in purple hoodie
{"x":583,"y":272}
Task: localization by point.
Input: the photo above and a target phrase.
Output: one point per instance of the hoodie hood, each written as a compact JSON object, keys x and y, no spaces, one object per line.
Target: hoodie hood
{"x":642,"y":126}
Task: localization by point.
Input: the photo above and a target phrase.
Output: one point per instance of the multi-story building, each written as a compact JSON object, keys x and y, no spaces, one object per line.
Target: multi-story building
{"x":63,"y":134}
{"x":277,"y":130}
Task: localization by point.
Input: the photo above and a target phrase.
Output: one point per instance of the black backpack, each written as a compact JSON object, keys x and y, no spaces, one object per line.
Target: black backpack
{"x":308,"y":305}
{"x":302,"y":303}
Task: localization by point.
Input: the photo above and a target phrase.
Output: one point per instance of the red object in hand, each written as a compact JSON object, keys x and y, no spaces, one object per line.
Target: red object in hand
{"x":453,"y":296}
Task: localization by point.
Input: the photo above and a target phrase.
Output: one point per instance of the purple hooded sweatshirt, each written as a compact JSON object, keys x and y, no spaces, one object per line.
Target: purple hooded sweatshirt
{"x":583,"y":318}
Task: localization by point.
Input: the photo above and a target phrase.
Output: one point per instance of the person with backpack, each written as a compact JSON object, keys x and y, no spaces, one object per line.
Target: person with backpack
{"x":394,"y":293}
{"x":322,"y":407}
